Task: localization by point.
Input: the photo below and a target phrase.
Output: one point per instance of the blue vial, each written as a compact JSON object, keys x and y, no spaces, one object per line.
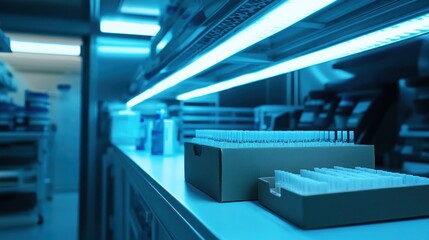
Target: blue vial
{"x":158,"y":136}
{"x":141,"y":139}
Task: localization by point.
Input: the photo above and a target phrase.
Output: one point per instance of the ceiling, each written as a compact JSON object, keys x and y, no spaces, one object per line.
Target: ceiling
{"x":65,"y":9}
{"x":71,"y":17}
{"x":67,"y":22}
{"x":62,"y":22}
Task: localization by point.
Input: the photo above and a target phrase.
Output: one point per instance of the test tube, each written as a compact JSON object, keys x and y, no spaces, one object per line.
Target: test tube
{"x":331,"y":136}
{"x":339,"y":137}
{"x":351,"y":137}
{"x":345,"y":138}
{"x":326,"y":136}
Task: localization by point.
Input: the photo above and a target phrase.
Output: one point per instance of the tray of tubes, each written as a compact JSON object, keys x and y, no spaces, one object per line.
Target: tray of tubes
{"x":329,"y":197}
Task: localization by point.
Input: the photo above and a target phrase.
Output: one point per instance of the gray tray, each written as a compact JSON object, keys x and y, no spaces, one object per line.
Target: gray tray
{"x":346,"y":208}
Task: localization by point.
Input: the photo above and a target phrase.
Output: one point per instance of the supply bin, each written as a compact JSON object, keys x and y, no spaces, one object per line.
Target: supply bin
{"x":345,"y":208}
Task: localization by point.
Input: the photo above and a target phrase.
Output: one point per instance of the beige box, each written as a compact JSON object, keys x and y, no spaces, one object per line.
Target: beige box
{"x":228,"y":174}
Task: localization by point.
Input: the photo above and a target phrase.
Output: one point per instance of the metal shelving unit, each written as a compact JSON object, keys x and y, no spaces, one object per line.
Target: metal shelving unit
{"x":23,"y":177}
{"x":211,"y":117}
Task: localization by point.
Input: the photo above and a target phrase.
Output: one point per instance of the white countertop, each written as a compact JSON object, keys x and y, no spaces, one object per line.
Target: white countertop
{"x":248,"y":219}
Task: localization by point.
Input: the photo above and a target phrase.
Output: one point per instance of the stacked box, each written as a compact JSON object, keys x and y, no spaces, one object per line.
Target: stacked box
{"x":231,"y":174}
{"x":38,"y":111}
{"x":345,"y":208}
{"x":20,"y":120}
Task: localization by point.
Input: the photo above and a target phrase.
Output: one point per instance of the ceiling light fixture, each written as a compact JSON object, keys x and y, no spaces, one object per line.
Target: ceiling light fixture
{"x":129,"y":27}
{"x":140,"y":10}
{"x":123,"y":50}
{"x":398,"y":32}
{"x":45,"y":48}
{"x":282,"y":16}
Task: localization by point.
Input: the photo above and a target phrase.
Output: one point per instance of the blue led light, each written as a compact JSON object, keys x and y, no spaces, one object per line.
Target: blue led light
{"x":389,"y":35}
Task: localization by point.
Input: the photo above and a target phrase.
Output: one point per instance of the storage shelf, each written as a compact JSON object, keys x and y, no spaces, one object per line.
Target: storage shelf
{"x":407,"y":133}
{"x":415,"y":158}
{"x":26,"y":180}
{"x":18,"y":189}
{"x":23,"y":135}
{"x":4,"y":43}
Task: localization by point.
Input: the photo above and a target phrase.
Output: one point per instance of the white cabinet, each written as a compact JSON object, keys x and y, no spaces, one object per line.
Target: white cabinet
{"x":132,"y":208}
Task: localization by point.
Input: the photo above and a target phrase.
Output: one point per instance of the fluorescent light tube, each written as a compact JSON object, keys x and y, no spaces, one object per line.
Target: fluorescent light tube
{"x":45,"y":48}
{"x":389,"y":35}
{"x":279,"y":18}
{"x":140,"y":10}
{"x":127,"y":112}
{"x":164,"y":41}
{"x":127,"y":27}
{"x":123,"y":50}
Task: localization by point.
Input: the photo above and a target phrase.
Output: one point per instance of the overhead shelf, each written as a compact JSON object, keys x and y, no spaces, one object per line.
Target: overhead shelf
{"x":407,"y":133}
{"x":194,"y":31}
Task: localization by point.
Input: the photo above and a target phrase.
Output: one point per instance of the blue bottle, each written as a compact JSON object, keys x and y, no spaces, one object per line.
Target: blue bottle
{"x":141,"y":139}
{"x":158,"y":136}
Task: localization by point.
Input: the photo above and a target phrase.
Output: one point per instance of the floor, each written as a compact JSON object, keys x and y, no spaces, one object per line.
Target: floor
{"x":60,"y":221}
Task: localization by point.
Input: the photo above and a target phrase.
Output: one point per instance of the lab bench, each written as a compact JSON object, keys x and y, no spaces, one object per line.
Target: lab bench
{"x":147,"y":197}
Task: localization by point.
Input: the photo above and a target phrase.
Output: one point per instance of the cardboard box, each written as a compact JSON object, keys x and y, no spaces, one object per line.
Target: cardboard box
{"x":232,"y":174}
{"x":345,"y":208}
